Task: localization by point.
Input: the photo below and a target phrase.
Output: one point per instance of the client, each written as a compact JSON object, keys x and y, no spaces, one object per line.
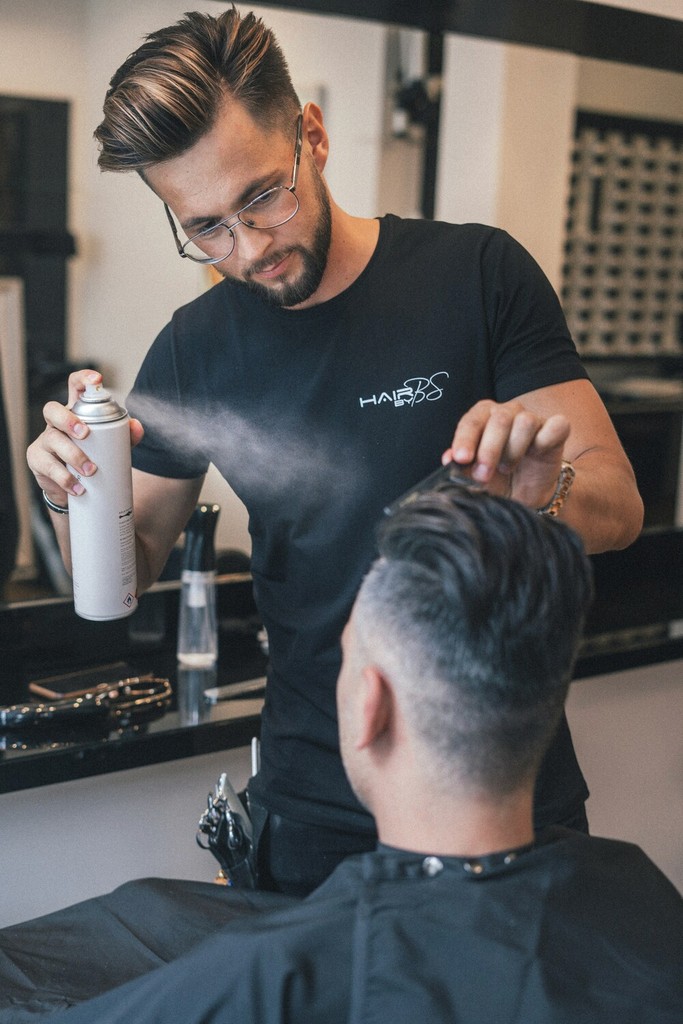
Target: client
{"x":457,"y":659}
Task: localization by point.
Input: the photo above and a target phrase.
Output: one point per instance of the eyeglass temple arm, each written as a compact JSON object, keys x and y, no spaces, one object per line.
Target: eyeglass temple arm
{"x":178,"y":243}
{"x":297,"y":149}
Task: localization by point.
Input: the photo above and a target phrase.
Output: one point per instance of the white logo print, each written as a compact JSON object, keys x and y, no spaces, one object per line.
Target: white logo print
{"x":413,"y":391}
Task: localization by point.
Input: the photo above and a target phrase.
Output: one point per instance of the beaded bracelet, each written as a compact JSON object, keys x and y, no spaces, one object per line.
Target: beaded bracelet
{"x":564,"y":483}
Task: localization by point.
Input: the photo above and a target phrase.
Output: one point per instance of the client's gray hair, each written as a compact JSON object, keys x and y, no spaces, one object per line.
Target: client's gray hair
{"x":475,"y":610}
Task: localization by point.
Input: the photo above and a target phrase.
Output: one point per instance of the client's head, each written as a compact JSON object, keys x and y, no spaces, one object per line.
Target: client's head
{"x":463,"y":638}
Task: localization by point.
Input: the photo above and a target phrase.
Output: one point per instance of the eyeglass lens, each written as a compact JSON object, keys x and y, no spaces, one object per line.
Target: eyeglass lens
{"x":270,"y":210}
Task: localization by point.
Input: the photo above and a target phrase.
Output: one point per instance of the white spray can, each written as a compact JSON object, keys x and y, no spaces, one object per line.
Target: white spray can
{"x":101,"y":524}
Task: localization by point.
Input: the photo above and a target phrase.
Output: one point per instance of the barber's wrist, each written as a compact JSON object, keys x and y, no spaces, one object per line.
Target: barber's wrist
{"x":61,"y":510}
{"x":562,"y":488}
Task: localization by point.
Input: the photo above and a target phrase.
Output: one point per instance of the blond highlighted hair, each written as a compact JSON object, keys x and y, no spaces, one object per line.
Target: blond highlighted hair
{"x":166,"y":95}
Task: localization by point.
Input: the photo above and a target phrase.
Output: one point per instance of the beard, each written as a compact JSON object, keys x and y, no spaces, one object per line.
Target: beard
{"x":314,"y":261}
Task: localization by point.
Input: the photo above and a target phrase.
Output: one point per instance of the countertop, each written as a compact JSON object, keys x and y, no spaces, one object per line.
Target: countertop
{"x":637,"y":619}
{"x":42,"y":639}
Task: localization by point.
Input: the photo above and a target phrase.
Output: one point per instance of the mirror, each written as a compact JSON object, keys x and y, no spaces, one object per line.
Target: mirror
{"x":506,"y":125}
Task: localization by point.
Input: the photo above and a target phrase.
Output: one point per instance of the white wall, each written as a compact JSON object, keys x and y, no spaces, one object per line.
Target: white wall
{"x":536,"y":140}
{"x":507,"y":130}
{"x":505,"y":139}
{"x":468,"y":168}
{"x":628,"y":739}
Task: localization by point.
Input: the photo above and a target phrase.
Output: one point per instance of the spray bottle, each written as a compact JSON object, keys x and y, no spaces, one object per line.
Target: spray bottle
{"x":197,"y":628}
{"x":101,"y":524}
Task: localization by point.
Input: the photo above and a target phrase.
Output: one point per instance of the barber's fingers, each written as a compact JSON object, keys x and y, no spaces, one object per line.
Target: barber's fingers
{"x":49,"y":454}
{"x":534,"y":475}
{"x":61,"y":418}
{"x":494,"y":436}
{"x":509,"y":449}
{"x":532,"y":437}
{"x":481,"y":432}
{"x":53,"y":452}
{"x":137,"y":432}
{"x":77,"y":383}
{"x":552,"y":434}
{"x":71,"y":424}
{"x":57,"y":448}
{"x":47,"y":458}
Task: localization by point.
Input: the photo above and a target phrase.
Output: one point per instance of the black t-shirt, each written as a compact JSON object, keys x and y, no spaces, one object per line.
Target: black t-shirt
{"x":318,"y":418}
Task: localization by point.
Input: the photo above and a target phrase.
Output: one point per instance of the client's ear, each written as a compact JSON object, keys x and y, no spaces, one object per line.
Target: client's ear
{"x":376,"y":707}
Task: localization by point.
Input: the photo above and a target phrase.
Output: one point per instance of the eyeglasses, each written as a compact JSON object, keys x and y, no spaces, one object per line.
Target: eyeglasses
{"x":271,"y":209}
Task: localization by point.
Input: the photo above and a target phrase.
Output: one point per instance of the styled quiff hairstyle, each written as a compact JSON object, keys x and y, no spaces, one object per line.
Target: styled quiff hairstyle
{"x":474,"y":611}
{"x":167,"y":94}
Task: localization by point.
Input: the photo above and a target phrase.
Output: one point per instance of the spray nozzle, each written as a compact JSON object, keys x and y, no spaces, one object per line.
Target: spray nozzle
{"x":95,"y":393}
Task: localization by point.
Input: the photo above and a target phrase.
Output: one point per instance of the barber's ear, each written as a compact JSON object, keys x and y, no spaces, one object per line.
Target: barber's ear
{"x":315,"y":134}
{"x":376,"y":707}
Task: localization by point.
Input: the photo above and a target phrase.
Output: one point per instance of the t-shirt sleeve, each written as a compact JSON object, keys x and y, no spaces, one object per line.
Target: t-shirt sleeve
{"x":531,"y":344}
{"x":174,"y":433}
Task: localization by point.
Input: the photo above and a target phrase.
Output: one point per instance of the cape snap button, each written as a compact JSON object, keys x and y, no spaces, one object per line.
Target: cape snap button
{"x":432,"y":866}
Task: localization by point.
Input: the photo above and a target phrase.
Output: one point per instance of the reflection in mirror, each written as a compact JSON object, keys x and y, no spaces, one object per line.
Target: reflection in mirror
{"x":506,"y":133}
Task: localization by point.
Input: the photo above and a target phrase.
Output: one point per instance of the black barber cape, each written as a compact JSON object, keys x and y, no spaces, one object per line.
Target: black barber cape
{"x":577,"y":929}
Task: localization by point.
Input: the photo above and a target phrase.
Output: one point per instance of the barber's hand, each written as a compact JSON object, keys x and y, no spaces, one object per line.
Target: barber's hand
{"x":510,"y":450}
{"x":58,"y":444}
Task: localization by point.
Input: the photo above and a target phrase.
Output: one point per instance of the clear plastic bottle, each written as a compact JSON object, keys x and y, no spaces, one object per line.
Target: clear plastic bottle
{"x":197,"y":626}
{"x":193,"y":707}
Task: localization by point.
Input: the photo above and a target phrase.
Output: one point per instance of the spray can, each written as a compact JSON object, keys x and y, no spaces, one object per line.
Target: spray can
{"x":197,"y":627}
{"x":101,"y":524}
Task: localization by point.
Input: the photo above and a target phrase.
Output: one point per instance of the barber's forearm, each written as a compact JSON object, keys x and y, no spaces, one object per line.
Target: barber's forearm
{"x":162,"y":508}
{"x":603,"y":505}
{"x":149,"y":564}
{"x":60,"y":524}
{"x":148,"y":569}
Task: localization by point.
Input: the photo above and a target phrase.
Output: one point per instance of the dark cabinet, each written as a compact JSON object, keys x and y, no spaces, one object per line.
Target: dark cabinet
{"x":651,"y":436}
{"x":35,"y":242}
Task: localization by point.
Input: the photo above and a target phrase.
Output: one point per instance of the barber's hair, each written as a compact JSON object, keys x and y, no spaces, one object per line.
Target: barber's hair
{"x":475,"y":610}
{"x":167,"y":94}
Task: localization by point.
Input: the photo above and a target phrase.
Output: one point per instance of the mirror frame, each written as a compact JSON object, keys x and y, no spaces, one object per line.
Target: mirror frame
{"x":577,"y":26}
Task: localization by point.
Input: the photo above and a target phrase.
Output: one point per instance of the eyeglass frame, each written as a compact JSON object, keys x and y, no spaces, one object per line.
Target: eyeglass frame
{"x":234,"y":219}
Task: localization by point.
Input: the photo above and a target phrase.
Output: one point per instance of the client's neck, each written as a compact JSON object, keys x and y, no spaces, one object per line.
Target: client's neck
{"x":465,"y":824}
